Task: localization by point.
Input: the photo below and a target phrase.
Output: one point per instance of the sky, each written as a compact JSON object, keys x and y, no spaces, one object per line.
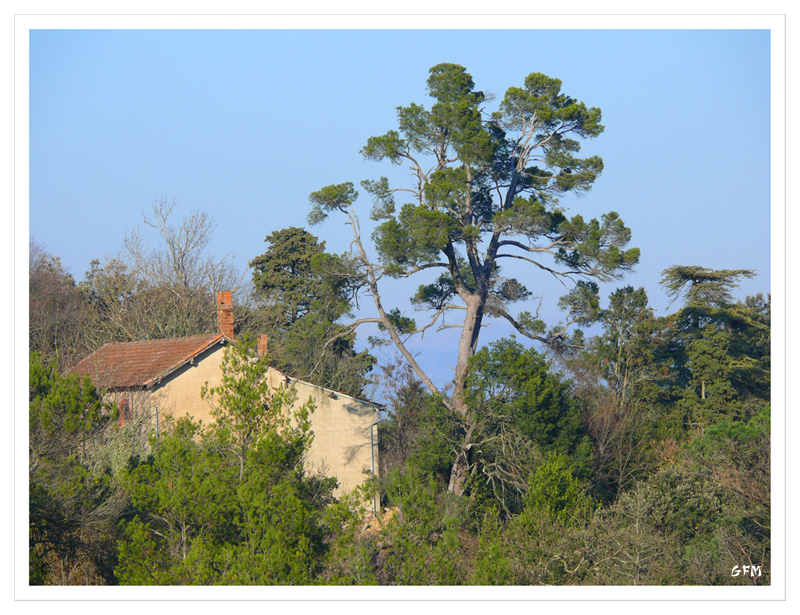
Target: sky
{"x":245,"y":124}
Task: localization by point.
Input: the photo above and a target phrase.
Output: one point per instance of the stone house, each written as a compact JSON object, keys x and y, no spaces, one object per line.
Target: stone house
{"x":153,"y":379}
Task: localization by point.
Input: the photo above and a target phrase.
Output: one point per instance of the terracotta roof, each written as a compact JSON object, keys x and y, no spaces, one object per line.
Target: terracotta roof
{"x":140,"y":364}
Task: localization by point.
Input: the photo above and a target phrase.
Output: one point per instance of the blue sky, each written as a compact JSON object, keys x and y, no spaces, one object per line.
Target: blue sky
{"x":245,"y":124}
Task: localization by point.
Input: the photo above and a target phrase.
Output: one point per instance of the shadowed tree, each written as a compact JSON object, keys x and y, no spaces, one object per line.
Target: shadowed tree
{"x":73,"y":510}
{"x":615,"y":377}
{"x":302,"y":292}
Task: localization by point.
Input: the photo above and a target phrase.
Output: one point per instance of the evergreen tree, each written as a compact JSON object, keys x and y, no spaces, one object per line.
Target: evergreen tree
{"x":304,"y":291}
{"x":73,"y":510}
{"x":710,"y":396}
{"x":484,"y":187}
{"x":283,"y":274}
{"x":230,"y":504}
{"x":709,"y":352}
{"x":521,"y":410}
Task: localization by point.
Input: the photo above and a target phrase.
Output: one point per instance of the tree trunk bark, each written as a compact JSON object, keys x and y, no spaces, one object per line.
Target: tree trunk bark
{"x":466,"y":348}
{"x":458,"y":475}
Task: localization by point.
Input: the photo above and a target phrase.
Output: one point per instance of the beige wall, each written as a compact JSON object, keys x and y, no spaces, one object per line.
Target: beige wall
{"x":179,"y":394}
{"x":341,"y":424}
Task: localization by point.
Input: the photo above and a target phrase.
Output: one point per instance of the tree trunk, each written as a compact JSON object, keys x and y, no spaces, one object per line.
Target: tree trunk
{"x":466,"y":348}
{"x":458,"y":474}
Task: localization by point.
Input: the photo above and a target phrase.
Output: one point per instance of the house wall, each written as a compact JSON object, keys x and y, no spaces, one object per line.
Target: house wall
{"x":341,"y":424}
{"x":179,"y":394}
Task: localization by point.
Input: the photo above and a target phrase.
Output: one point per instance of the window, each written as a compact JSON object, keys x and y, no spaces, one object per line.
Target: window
{"x":124,"y":411}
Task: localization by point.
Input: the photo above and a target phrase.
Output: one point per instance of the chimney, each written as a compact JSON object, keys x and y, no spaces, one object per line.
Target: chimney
{"x":262,"y":345}
{"x":225,"y":313}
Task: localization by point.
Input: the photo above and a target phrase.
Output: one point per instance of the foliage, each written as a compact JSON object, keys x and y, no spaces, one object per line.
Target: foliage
{"x":181,"y":489}
{"x":230,"y":504}
{"x":419,"y":429}
{"x":245,"y":407}
{"x":120,"y":441}
{"x":493,"y":562}
{"x":618,"y":385}
{"x":703,"y":288}
{"x":519,"y":411}
{"x":749,"y":348}
{"x":511,"y":385}
{"x":349,"y":557}
{"x":735,"y":455}
{"x":624,"y":348}
{"x":627,"y":549}
{"x":684,"y":505}
{"x":233,"y":506}
{"x":63,"y":410}
{"x":72,"y":510}
{"x":285,"y":276}
{"x":554,"y":490}
{"x":305,"y":350}
{"x":706,"y":510}
{"x":710,"y":396}
{"x":303,"y":291}
{"x":423,"y":540}
{"x":439,"y":433}
{"x":58,"y":317}
{"x":533,"y":549}
{"x":718,"y":349}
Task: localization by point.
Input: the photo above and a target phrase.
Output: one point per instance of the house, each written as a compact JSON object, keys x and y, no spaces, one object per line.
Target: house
{"x":153,"y":379}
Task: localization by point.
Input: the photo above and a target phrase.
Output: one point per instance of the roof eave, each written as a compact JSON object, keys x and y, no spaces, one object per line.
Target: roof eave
{"x":327,"y":390}
{"x":149,"y":384}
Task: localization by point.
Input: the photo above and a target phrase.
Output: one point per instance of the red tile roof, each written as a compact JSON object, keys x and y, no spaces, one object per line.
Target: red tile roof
{"x":139,"y":364}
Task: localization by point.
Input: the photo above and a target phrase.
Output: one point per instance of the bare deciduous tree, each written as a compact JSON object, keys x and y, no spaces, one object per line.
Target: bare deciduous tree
{"x":182,"y":260}
{"x":58,"y":318}
{"x":164,"y":291}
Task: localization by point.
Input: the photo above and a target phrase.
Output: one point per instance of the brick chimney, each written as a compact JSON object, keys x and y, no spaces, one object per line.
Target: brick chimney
{"x":262,"y":345}
{"x":225,"y":313}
